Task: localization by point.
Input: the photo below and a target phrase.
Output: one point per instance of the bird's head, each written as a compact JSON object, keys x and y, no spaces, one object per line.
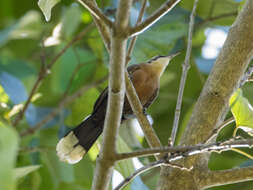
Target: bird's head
{"x":159,"y":63}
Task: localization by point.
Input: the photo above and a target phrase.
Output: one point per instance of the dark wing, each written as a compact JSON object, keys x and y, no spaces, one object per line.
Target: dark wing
{"x":151,"y":99}
{"x":102,"y":99}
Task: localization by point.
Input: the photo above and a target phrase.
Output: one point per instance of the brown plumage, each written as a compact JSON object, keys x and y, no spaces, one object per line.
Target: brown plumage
{"x":146,"y":80}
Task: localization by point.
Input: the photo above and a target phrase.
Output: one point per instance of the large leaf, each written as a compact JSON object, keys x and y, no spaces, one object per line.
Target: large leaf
{"x":59,"y":171}
{"x":46,"y":7}
{"x":242,"y":111}
{"x":8,"y":152}
{"x":27,"y":27}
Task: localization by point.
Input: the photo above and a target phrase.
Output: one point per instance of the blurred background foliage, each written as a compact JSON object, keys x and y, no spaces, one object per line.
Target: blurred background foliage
{"x":27,"y":42}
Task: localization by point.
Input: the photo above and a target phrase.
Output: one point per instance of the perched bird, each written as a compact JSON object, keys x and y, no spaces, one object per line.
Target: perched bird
{"x":146,"y":80}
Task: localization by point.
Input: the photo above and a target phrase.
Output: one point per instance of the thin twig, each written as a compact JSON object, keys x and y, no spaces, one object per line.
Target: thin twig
{"x":183,"y":152}
{"x":210,"y":19}
{"x":95,"y":11}
{"x":64,"y":102}
{"x":45,"y":70}
{"x":159,"y":13}
{"x":138,"y":172}
{"x":104,"y":30}
{"x":250,"y":79}
{"x":218,"y":129}
{"x":246,"y":76}
{"x":185,"y":68}
{"x":137,"y":108}
{"x":116,"y":94}
{"x":133,"y":41}
{"x":179,"y":151}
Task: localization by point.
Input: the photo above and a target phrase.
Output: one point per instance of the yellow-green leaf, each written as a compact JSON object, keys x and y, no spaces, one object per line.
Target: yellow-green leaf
{"x":242,"y":111}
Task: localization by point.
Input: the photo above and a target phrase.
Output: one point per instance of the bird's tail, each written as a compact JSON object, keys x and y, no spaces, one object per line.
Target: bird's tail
{"x":77,"y":142}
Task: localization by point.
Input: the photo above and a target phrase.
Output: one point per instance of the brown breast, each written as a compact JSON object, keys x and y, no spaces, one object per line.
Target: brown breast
{"x":145,"y":83}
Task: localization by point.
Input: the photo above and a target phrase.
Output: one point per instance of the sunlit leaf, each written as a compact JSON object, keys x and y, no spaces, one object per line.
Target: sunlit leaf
{"x":46,"y":7}
{"x":242,"y":111}
{"x":23,"y":171}
{"x":8,"y":152}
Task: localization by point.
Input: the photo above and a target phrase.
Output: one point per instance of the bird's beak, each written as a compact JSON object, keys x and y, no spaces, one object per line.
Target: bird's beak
{"x":174,"y":55}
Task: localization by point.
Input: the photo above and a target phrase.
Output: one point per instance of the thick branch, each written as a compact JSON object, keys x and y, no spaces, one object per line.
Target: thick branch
{"x":236,"y":175}
{"x":116,"y":96}
{"x":212,"y":105}
{"x":223,"y":80}
{"x":159,"y":13}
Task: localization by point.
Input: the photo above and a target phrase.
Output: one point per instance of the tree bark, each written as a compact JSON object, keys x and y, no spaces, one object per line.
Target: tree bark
{"x":212,"y":104}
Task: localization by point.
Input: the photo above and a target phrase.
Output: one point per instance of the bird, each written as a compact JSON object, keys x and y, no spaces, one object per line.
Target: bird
{"x":146,"y":81}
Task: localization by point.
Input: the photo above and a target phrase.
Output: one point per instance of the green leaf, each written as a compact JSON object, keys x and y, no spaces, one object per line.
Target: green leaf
{"x":8,"y":152}
{"x":242,"y":111}
{"x":23,"y":171}
{"x":71,"y":20}
{"x":46,"y":7}
{"x":27,"y":27}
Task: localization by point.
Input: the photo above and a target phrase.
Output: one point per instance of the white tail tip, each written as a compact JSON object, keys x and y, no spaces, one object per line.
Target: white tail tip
{"x":67,"y":151}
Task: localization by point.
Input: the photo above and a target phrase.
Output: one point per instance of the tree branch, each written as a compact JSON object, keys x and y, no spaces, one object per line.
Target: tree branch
{"x":159,"y":13}
{"x":137,"y":108}
{"x":185,"y":68}
{"x":116,"y":95}
{"x":212,"y":105}
{"x":184,"y":151}
{"x":236,"y":175}
{"x":133,"y":41}
{"x":46,"y":70}
{"x":139,"y":172}
{"x":133,"y":98}
{"x":218,"y":129}
{"x":210,"y":19}
{"x":103,"y":29}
